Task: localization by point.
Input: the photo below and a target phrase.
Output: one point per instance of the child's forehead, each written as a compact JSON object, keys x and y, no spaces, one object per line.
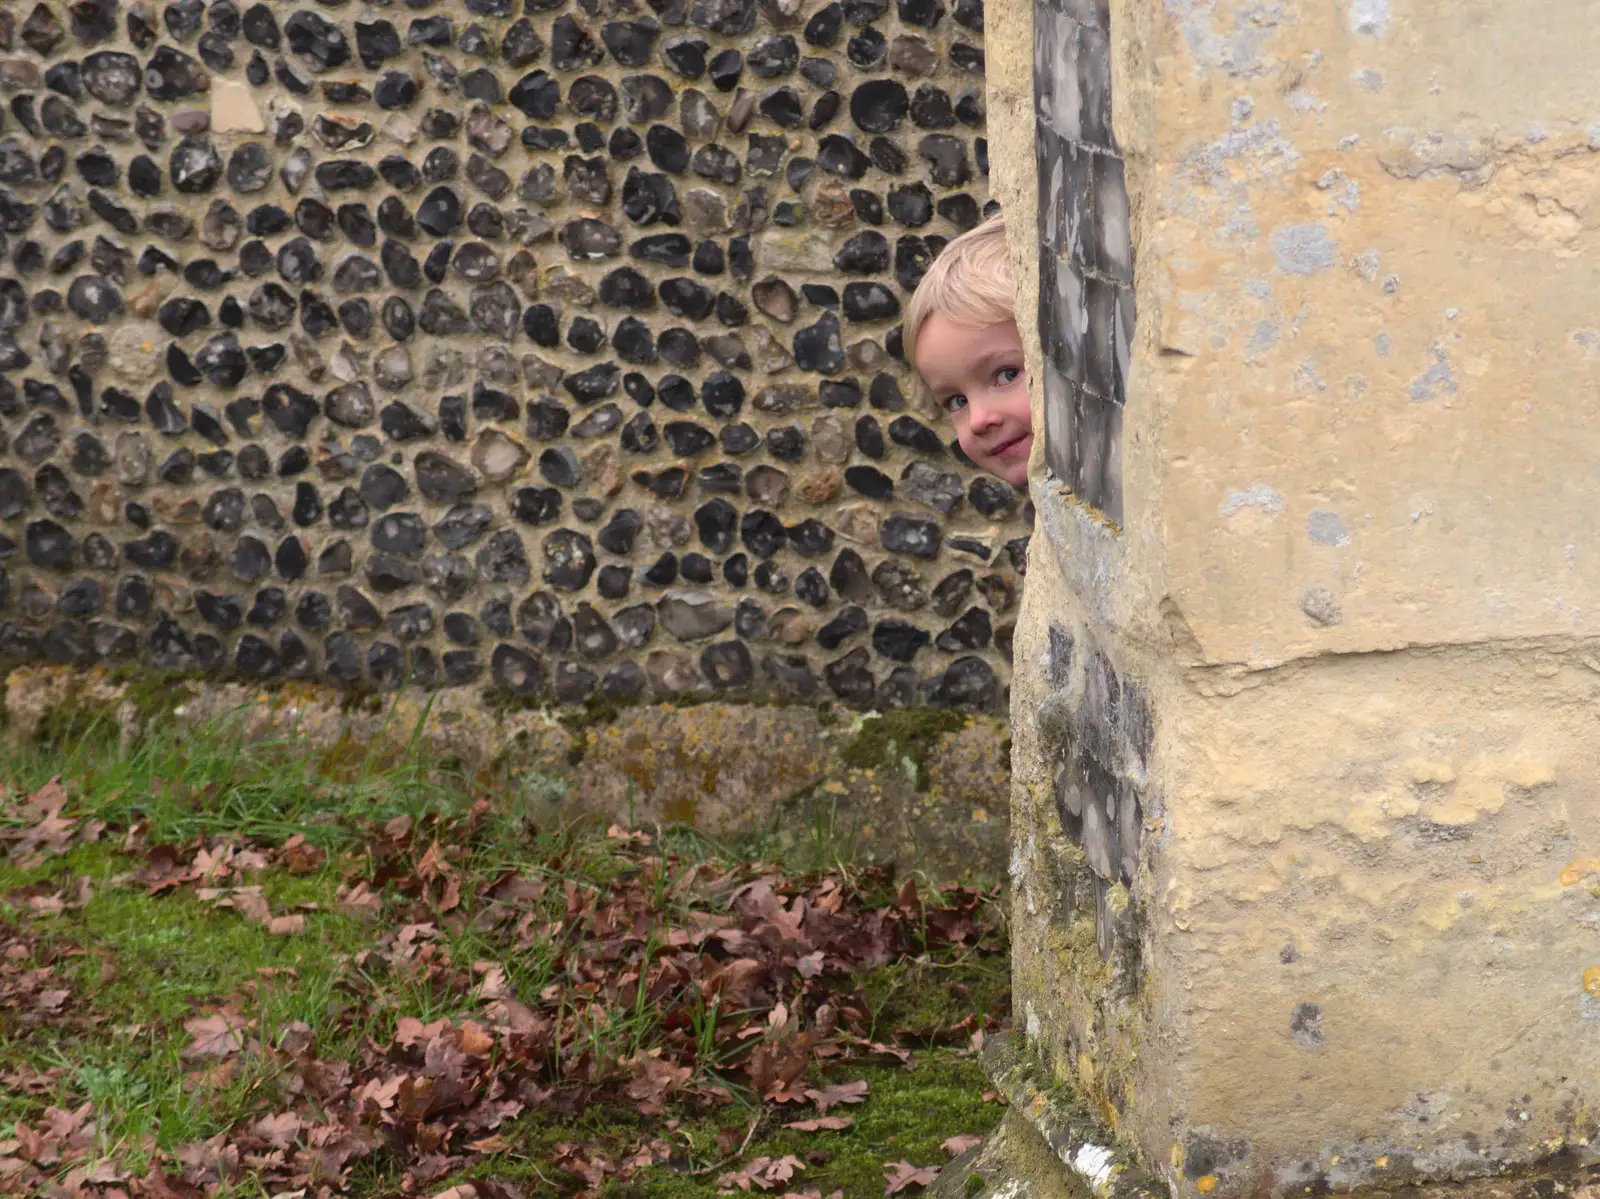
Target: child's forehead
{"x":946,"y":342}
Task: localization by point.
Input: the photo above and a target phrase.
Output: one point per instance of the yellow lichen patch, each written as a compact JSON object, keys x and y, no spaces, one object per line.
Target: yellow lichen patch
{"x":1472,"y":798}
{"x":1207,"y":1184}
{"x":1591,"y":981}
{"x":1371,"y":812}
{"x":1422,"y":772}
{"x":1578,"y":871}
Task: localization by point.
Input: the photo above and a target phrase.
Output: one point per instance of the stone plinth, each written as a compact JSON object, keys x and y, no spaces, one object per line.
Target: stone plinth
{"x":1306,"y":694}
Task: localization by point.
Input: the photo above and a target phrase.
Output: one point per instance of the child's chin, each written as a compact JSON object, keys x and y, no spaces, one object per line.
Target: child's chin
{"x":1015,"y":473}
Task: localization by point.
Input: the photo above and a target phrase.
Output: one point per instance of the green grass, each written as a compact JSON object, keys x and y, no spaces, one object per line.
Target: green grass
{"x":139,"y":965}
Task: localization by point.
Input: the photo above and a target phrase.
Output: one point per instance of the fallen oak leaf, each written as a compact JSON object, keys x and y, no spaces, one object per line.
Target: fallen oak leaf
{"x":216,"y":1035}
{"x":286,"y":926}
{"x":475,"y":1040}
{"x":764,"y":1174}
{"x":360,"y":901}
{"x":653,"y":1080}
{"x":957,"y":1145}
{"x":299,"y":856}
{"x":822,"y":1124}
{"x":51,"y":832}
{"x":898,"y":1176}
{"x":247,"y":901}
{"x":279,"y":1131}
{"x":845,"y":1092}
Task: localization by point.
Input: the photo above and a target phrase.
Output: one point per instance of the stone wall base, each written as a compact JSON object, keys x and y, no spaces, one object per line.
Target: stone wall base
{"x":1051,"y":1146}
{"x":912,"y":788}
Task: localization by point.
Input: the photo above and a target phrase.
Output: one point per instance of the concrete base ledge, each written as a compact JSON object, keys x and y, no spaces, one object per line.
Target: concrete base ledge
{"x":916,"y":788}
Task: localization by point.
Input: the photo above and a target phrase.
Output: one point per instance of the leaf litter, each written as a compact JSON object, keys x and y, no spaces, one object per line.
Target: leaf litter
{"x":671,"y":985}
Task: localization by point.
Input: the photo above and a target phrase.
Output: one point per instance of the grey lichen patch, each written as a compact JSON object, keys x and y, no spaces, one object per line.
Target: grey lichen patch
{"x":1326,"y":527}
{"x":1438,"y":380}
{"x":1303,"y":249}
{"x":1369,"y":18}
{"x":1321,"y":606}
{"x":1257,"y":495}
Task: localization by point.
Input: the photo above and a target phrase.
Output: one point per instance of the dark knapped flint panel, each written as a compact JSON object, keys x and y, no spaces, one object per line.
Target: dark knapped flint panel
{"x":447,"y":343}
{"x":1086,"y":300}
{"x":1097,"y":729}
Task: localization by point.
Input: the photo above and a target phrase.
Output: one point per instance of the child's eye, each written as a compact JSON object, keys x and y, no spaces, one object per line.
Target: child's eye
{"x":955,"y":403}
{"x":1007,"y":375}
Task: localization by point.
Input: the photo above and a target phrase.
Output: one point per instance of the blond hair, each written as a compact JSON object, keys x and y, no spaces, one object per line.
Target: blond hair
{"x":970,"y":283}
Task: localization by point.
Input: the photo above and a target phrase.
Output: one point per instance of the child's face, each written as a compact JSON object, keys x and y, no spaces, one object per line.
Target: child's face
{"x":976,"y":375}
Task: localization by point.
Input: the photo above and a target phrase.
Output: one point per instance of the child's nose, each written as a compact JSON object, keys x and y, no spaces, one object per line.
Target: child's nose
{"x":982,"y":416}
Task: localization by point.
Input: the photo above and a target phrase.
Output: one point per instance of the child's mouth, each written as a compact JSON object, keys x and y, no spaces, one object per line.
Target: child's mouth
{"x":1009,"y":449}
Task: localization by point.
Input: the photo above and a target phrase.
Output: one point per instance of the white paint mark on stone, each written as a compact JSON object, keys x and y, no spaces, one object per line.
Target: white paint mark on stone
{"x":1369,"y":18}
{"x":1303,"y":249}
{"x":1324,"y":526}
{"x":1095,"y":1163}
{"x":1257,"y":495}
{"x":1035,"y":1029}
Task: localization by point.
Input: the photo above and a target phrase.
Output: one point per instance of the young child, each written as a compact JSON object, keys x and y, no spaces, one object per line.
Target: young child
{"x":961,"y":334}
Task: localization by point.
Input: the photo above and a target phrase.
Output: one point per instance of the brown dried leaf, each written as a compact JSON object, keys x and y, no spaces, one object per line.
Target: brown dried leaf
{"x":844,"y":1092}
{"x":280,"y":1130}
{"x":957,"y":1145}
{"x":361,"y":902}
{"x":216,"y":1035}
{"x":897,"y":1176}
{"x":762,"y":1174}
{"x":653,"y":1081}
{"x":822,"y":1124}
{"x":300,"y":856}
